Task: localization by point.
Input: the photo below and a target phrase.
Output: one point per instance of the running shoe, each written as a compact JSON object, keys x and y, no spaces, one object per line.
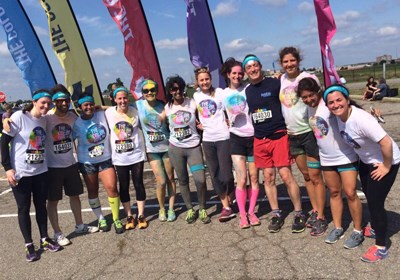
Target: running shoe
{"x":190,"y":216}
{"x":226,"y":215}
{"x":162,"y":215}
{"x":334,"y":236}
{"x":130,"y":223}
{"x":61,"y":239}
{"x":142,"y":222}
{"x":355,"y":240}
{"x":203,"y":216}
{"x":254,"y":221}
{"x":312,"y":219}
{"x":82,"y":229}
{"x":244,"y":222}
{"x":369,"y":232}
{"x":374,"y":254}
{"x":319,"y":228}
{"x":171,"y":215}
{"x":276,"y":223}
{"x":103,"y":226}
{"x":49,"y":244}
{"x":31,"y":254}
{"x":299,"y":223}
{"x":119,"y":227}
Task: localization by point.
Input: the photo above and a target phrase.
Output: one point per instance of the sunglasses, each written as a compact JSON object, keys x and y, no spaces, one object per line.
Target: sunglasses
{"x":174,"y":89}
{"x":202,"y":70}
{"x":147,"y":90}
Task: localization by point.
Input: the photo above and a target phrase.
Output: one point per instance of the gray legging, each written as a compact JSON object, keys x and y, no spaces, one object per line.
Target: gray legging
{"x":180,"y":158}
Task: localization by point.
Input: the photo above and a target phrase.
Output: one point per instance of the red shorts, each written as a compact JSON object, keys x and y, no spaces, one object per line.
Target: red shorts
{"x":272,"y":153}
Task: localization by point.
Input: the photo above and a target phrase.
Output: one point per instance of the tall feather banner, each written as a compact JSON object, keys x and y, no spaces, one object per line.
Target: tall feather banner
{"x":203,"y":44}
{"x":25,"y":47}
{"x":70,"y":49}
{"x":326,"y":31}
{"x":139,"y":47}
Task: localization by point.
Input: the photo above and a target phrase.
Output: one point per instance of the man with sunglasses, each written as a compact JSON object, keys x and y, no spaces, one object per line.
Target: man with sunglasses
{"x":63,"y":169}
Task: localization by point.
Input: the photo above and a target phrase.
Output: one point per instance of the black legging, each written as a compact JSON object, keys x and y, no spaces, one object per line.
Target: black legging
{"x":37,"y":186}
{"x":376,"y":193}
{"x":136,"y":171}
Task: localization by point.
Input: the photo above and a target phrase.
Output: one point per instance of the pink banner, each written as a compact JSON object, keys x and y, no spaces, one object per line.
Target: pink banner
{"x":326,"y":30}
{"x":139,"y":48}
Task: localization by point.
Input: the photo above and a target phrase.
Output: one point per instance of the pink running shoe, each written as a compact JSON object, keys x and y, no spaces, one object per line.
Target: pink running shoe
{"x":244,"y":222}
{"x":254,"y":221}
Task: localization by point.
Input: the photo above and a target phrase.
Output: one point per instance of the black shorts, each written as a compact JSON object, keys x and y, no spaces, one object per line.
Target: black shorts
{"x":67,"y":177}
{"x":304,"y":143}
{"x":242,"y":146}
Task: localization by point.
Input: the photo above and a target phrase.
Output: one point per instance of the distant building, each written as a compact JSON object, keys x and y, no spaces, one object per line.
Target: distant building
{"x":386,"y":57}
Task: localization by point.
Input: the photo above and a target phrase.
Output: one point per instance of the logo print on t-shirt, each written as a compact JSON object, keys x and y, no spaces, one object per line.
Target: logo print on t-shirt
{"x":96,"y":133}
{"x":181,"y":117}
{"x":319,"y":126}
{"x":207,"y":108}
{"x":62,"y":142}
{"x":347,"y":138}
{"x":235,"y":104}
{"x":288,"y":96}
{"x":37,"y":138}
{"x":123,"y":130}
{"x":153,"y":121}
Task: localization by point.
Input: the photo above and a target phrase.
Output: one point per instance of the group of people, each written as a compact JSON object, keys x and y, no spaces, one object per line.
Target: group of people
{"x":268,"y":124}
{"x":374,"y":91}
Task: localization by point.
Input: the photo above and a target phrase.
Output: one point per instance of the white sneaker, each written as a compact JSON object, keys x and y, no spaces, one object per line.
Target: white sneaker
{"x":62,"y":240}
{"x":86,"y":229}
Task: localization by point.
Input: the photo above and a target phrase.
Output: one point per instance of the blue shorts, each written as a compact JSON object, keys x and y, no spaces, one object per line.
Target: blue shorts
{"x":341,"y":168}
{"x":92,"y":168}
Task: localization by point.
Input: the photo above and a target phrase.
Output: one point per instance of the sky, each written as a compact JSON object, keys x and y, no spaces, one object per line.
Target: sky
{"x":365,"y":29}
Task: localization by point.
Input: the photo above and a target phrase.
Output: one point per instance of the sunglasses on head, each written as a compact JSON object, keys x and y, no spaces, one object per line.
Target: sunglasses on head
{"x":202,"y":70}
{"x":147,"y":90}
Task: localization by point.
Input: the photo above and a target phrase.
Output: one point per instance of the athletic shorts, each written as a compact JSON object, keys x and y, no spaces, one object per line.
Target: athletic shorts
{"x":270,"y":153}
{"x":304,"y":143}
{"x":341,"y":168}
{"x":242,"y":146}
{"x":156,"y":156}
{"x":67,"y":177}
{"x":92,"y":168}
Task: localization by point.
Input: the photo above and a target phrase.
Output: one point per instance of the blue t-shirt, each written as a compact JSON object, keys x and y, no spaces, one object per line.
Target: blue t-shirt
{"x":265,"y":107}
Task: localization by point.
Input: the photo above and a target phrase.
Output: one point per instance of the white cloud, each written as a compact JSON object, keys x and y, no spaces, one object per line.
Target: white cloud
{"x":4,"y":49}
{"x":180,"y":60}
{"x":237,"y":44}
{"x":41,"y":31}
{"x":94,"y":21}
{"x":342,"y":42}
{"x":347,"y":19}
{"x":275,"y":3}
{"x":167,"y":15}
{"x":225,"y":9}
{"x":305,"y":7}
{"x":100,"y":52}
{"x":264,"y":49}
{"x":171,"y":44}
{"x":387,"y":31}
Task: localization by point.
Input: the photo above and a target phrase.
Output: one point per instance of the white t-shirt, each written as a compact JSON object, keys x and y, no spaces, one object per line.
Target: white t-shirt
{"x":182,"y":124}
{"x":59,"y":143}
{"x":333,"y":150}
{"x":127,"y":146}
{"x":362,"y":132}
{"x":293,"y":109}
{"x":237,"y":109}
{"x":28,"y":153}
{"x":211,"y":115}
{"x":93,"y":139}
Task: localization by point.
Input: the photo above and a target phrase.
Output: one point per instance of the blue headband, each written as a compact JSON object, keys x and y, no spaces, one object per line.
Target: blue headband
{"x":87,"y":98}
{"x":248,"y":59}
{"x":333,"y":88}
{"x":60,"y":95}
{"x":41,"y":94}
{"x":118,"y":90}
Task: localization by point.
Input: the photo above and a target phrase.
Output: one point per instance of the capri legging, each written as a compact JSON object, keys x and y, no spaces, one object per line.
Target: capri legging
{"x":376,"y":193}
{"x":136,"y":171}
{"x":27,"y":187}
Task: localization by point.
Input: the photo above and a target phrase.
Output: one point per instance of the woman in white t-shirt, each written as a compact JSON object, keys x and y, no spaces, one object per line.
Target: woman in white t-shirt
{"x":216,"y":144}
{"x":128,"y":154}
{"x":379,"y":161}
{"x":184,"y":146}
{"x":339,"y":163}
{"x":301,"y":139}
{"x":241,"y":141}
{"x":26,"y":169}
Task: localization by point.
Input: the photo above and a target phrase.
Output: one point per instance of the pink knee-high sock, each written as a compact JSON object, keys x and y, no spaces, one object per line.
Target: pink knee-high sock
{"x":253,"y":195}
{"x":241,"y":197}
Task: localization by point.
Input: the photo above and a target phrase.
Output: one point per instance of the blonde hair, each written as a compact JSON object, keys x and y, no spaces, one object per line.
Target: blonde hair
{"x":202,"y":70}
